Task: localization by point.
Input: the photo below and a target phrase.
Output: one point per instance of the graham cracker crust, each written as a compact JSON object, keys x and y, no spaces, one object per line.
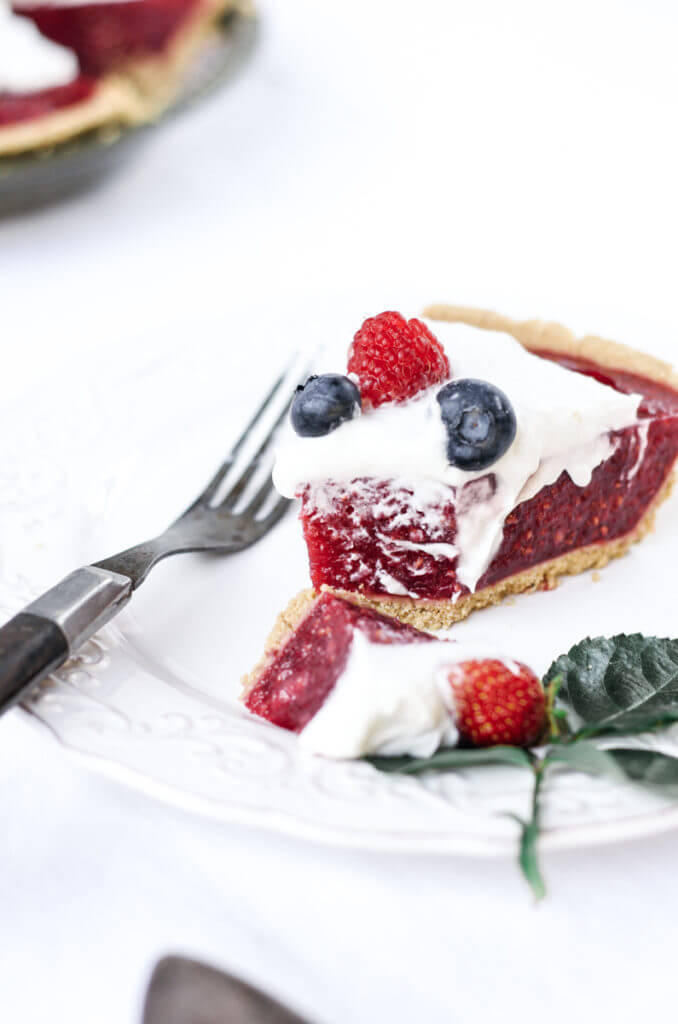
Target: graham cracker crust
{"x":283,"y":628}
{"x":157,"y":80}
{"x":547,"y":335}
{"x":113,"y":104}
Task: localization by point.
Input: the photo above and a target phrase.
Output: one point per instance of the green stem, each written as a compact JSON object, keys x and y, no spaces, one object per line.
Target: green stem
{"x":556,"y":723}
{"x":528,"y":859}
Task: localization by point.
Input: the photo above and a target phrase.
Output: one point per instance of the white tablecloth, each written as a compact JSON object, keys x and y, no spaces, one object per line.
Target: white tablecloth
{"x":378,"y":155}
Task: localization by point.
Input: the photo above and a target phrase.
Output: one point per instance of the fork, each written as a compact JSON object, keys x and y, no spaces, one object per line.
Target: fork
{"x":49,"y":630}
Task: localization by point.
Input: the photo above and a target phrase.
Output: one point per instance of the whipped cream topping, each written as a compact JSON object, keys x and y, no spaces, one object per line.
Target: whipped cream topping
{"x":563,"y":423}
{"x":28,"y":61}
{"x":391,"y":699}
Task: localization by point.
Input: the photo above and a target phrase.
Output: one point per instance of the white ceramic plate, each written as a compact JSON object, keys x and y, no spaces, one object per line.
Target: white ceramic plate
{"x":152,"y":700}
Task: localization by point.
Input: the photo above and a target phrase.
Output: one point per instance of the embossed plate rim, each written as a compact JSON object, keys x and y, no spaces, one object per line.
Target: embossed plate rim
{"x":292,"y":826}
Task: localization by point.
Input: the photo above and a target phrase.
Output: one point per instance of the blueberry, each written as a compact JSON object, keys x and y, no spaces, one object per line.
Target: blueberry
{"x":479,"y":420}
{"x":323,"y":403}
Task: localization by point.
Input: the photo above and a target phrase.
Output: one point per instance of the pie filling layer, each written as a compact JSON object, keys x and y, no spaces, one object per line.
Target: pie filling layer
{"x":376,"y":535}
{"x":352,"y":547}
{"x":18,"y":107}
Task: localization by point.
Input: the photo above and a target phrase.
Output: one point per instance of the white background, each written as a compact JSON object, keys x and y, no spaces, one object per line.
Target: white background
{"x":373,"y":155}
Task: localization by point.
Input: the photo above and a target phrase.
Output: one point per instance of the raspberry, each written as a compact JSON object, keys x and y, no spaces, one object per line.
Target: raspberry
{"x":497,"y":704}
{"x":393,"y":358}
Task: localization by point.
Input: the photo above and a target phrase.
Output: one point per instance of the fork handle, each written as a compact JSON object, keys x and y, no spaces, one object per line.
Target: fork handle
{"x":42,"y":636}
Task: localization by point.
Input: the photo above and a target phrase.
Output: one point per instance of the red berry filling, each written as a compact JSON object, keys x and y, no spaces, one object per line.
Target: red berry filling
{"x":17,"y":107}
{"x":301,"y":674}
{"x":105,"y":35}
{"x":394,"y":358}
{"x":367,"y":535}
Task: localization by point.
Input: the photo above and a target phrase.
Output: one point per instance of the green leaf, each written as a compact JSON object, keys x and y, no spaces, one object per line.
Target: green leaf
{"x":584,"y":756}
{"x":648,"y":768}
{"x":456,"y":757}
{"x":619,"y":684}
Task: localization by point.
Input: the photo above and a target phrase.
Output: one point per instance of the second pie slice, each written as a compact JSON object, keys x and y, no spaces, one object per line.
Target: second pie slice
{"x":68,"y":68}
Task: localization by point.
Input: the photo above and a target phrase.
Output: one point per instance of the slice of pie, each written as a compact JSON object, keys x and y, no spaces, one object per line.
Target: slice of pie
{"x":467,"y":457}
{"x":68,"y":68}
{"x":352,"y":682}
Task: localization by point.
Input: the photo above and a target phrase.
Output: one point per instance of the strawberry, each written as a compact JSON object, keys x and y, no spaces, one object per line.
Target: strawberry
{"x":497,"y":703}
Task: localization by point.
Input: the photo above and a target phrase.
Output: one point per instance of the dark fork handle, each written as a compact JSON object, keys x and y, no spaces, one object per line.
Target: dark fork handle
{"x":44,"y":634}
{"x":30,"y":648}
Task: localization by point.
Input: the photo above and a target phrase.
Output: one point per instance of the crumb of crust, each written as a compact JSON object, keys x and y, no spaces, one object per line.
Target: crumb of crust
{"x":596,"y":577}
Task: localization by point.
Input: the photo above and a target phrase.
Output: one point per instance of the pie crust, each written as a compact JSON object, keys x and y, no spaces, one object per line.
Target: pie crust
{"x":542,"y":336}
{"x":283,"y":628}
{"x":135,"y":94}
{"x":157,"y":78}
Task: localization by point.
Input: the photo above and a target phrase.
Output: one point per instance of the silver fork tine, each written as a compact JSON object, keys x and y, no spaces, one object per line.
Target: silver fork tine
{"x":260,"y":497}
{"x":264,"y":406}
{"x":213,"y":486}
{"x":276,"y":513}
{"x":254,"y":464}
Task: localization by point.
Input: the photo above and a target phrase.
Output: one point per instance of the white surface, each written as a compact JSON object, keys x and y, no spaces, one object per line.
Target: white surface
{"x":372,"y":156}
